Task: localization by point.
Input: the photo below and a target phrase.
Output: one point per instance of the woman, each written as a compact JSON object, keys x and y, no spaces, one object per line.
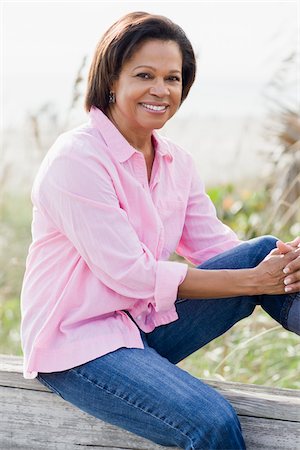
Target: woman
{"x":105,"y":315}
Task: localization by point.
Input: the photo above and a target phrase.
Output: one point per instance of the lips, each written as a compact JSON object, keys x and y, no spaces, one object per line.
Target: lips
{"x":155,"y":108}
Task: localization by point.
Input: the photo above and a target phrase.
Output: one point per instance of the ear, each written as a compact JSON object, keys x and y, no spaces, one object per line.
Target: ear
{"x":113,"y":84}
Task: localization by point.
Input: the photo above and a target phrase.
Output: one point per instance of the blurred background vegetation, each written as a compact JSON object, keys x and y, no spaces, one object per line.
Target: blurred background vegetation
{"x":257,"y":350}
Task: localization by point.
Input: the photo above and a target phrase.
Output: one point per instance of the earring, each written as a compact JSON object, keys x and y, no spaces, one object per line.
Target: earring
{"x":112,"y":97}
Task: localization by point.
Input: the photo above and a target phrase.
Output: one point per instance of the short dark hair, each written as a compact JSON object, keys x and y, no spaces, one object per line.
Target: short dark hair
{"x":120,"y":42}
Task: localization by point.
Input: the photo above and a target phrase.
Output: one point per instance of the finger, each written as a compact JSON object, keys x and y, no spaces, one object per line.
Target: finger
{"x":295,"y":242}
{"x":294,"y":264}
{"x":292,"y":288}
{"x":292,"y":278}
{"x":283,"y":248}
{"x":289,"y":258}
{"x":275,"y":251}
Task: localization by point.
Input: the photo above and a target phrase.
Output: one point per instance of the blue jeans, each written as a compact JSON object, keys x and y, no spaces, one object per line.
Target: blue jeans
{"x":143,"y":391}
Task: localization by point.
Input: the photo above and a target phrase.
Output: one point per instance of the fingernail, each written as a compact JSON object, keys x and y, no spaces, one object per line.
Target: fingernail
{"x":287,"y":281}
{"x":286,"y":270}
{"x":287,"y":289}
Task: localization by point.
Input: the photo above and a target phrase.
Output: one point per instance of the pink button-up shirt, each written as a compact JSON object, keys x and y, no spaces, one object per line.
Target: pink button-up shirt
{"x":102,"y":237}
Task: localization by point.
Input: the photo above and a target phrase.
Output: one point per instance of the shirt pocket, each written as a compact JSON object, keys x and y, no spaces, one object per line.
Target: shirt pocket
{"x":172,"y":213}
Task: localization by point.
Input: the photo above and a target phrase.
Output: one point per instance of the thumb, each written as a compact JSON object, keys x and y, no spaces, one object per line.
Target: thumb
{"x":283,"y":248}
{"x":295,"y":242}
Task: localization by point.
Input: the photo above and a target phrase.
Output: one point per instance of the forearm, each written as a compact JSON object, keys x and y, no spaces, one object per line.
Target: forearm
{"x":268,"y":277}
{"x":218,"y":283}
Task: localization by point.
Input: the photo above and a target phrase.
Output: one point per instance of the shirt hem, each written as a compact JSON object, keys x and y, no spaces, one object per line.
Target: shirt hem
{"x":46,"y":359}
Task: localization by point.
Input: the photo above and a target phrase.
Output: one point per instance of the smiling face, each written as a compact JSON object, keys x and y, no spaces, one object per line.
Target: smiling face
{"x":148,"y":90}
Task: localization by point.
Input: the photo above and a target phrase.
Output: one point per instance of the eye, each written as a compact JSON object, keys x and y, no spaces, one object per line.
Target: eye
{"x":144,"y":75}
{"x":174,"y":78}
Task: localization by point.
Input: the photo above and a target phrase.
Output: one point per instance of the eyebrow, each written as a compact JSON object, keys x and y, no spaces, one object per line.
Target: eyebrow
{"x":153,"y":68}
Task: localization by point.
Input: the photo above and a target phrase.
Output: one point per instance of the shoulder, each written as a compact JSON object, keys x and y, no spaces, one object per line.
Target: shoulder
{"x":76,"y":154}
{"x":79,"y":142}
{"x":82,"y":146}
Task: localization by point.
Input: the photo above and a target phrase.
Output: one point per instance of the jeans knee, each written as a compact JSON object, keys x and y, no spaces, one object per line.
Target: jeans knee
{"x":268,"y":242}
{"x":263,"y":246}
{"x":223,"y":430}
{"x":228,"y":429}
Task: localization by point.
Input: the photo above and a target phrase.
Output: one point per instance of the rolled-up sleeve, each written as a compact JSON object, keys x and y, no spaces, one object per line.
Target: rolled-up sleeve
{"x":169,"y":276}
{"x":204,"y":235}
{"x":81,"y":201}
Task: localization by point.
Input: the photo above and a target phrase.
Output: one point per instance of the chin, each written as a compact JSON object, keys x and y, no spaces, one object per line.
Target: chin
{"x":158,"y":127}
{"x":156,"y":124}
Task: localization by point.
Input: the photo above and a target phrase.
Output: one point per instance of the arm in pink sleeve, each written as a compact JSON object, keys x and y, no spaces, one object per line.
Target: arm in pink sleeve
{"x":79,"y":197}
{"x":204,"y":235}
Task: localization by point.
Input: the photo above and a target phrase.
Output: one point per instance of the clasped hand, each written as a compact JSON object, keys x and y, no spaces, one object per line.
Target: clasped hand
{"x":279,"y":272}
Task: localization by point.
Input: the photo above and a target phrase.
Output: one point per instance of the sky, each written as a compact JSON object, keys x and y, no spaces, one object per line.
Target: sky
{"x":239,"y":46}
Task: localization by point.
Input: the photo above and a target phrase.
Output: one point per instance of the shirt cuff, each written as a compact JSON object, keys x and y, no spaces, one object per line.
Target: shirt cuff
{"x":169,"y":276}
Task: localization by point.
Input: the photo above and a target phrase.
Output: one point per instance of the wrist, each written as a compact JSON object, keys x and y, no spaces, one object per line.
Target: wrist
{"x":252,"y":284}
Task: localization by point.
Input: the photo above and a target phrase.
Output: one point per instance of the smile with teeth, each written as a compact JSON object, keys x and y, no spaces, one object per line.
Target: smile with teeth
{"x":154,"y":107}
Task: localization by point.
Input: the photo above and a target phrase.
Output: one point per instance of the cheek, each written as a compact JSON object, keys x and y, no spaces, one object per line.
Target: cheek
{"x":130,"y":97}
{"x":126,"y":101}
{"x":176,"y":101}
{"x":177,"y":96}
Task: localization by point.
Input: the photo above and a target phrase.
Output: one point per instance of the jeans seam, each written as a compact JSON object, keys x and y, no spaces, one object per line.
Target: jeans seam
{"x":132,"y":404}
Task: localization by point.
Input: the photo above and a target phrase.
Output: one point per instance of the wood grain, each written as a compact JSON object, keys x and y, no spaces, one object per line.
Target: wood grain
{"x":33,"y":418}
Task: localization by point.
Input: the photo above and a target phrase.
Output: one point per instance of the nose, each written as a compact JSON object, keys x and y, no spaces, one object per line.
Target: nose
{"x":159,"y":88}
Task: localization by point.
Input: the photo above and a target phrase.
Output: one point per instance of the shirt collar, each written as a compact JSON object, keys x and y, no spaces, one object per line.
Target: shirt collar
{"x":161,"y":146}
{"x":115,"y":140}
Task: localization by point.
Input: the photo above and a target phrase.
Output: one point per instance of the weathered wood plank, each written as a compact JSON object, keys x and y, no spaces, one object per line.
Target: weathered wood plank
{"x":269,"y":434}
{"x":40,"y":418}
{"x":257,"y":401}
{"x":279,"y":404}
{"x":34,"y":418}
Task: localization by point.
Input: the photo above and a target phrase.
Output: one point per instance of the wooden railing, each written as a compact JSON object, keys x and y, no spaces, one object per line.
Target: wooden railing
{"x":33,"y":418}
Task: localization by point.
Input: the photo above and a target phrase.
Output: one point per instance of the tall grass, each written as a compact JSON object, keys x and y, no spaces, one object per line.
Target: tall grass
{"x":14,"y":242}
{"x":256,"y":350}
